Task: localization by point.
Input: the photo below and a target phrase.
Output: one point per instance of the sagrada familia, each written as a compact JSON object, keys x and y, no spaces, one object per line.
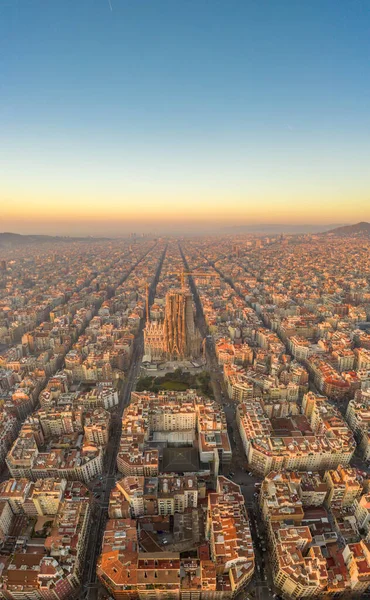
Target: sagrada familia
{"x":176,"y":337}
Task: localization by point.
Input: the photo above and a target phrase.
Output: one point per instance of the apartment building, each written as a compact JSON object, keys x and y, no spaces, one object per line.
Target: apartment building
{"x":225,"y":563}
{"x":319,"y":439}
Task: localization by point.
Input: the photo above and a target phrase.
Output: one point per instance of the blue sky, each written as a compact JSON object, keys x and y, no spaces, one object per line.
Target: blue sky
{"x":229,"y":108}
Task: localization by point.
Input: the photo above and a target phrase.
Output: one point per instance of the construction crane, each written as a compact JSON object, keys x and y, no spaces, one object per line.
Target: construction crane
{"x":183,"y":274}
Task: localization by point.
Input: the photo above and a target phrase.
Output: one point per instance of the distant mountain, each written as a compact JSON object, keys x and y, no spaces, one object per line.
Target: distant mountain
{"x":359,"y":230}
{"x":11,"y":240}
{"x":276,"y":228}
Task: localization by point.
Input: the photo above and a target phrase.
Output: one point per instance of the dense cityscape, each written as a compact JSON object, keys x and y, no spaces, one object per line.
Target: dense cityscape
{"x":184,"y":300}
{"x":185,"y":418}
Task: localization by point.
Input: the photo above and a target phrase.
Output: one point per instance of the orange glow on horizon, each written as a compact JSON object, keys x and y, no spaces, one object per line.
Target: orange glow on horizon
{"x":208,"y":209}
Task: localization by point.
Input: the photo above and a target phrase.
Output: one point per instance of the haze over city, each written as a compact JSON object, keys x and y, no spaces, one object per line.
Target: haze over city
{"x":119,"y":116}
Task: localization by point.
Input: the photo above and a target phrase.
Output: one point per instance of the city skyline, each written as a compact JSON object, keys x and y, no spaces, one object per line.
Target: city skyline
{"x":129,"y":116}
{"x":178,"y":228}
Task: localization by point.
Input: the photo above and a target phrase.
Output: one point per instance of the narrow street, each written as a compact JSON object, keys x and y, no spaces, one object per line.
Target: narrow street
{"x":237,"y":470}
{"x":91,"y":587}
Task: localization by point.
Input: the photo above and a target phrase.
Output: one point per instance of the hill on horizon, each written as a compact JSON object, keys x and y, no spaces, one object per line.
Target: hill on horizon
{"x":276,"y":228}
{"x":361,"y":229}
{"x":9,"y":239}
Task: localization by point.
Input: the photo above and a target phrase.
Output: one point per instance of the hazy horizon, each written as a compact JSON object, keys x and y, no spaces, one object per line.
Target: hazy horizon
{"x":174,"y":228}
